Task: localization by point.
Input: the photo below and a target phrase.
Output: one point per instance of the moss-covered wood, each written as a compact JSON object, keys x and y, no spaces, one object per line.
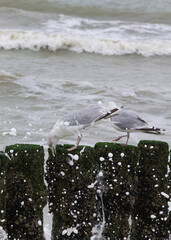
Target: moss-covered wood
{"x":78,"y":189}
{"x":150,"y":217}
{"x":112,"y":191}
{"x":118,"y":164}
{"x":71,"y":201}
{"x":26,"y":194}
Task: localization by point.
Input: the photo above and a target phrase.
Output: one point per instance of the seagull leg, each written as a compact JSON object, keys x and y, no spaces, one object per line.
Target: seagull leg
{"x":128,"y":135}
{"x":118,"y":138}
{"x":76,"y":145}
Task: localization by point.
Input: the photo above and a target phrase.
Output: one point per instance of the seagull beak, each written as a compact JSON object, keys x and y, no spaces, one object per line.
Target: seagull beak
{"x":107,"y":115}
{"x":53,"y":149}
{"x":112,"y":115}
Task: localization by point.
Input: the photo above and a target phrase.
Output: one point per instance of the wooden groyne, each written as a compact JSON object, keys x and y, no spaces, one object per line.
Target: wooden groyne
{"x":24,"y":193}
{"x":150,"y":213}
{"x":106,"y":192}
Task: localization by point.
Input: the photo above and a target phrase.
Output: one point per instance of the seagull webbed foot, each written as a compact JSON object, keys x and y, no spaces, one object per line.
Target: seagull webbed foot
{"x":76,"y":145}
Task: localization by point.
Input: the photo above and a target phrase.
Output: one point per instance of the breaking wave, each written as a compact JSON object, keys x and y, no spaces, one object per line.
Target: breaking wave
{"x":39,"y":40}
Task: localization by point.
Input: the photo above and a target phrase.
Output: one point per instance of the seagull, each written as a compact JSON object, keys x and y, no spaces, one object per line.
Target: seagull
{"x":128,"y":121}
{"x":73,"y":122}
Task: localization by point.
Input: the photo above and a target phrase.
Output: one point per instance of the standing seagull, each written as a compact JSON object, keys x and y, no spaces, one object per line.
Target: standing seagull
{"x":73,"y":122}
{"x":128,"y":121}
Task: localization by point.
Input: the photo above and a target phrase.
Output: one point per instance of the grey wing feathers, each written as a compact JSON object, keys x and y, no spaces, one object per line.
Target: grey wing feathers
{"x":85,"y":116}
{"x":142,"y":120}
{"x":128,"y":120}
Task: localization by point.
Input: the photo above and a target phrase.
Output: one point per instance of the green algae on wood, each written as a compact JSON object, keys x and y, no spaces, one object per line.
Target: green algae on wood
{"x":118,"y":164}
{"x":29,"y":159}
{"x":150,"y":215}
{"x":76,"y":189}
{"x":111,"y":184}
{"x":71,"y":201}
{"x":25,"y":174}
{"x":154,"y":152}
{"x":22,"y":218}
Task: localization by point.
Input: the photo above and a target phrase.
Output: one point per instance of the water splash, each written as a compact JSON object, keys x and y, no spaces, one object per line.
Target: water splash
{"x":98,"y":229}
{"x":3,"y":235}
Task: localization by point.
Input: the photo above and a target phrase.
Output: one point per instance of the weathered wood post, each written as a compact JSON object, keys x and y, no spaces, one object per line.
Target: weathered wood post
{"x":71,"y":200}
{"x":109,"y":191}
{"x":150,"y":216}
{"x":26,"y":194}
{"x":92,"y":190}
{"x":118,"y":164}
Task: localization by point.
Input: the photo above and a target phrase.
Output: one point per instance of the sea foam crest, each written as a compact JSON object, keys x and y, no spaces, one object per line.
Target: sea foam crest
{"x":36,"y":40}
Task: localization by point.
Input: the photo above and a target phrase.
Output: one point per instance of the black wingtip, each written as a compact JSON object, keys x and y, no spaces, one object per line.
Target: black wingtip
{"x":152,"y":130}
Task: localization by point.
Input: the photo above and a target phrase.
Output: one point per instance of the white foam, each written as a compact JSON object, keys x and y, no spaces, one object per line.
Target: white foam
{"x":3,"y":234}
{"x":69,"y":231}
{"x":110,"y":155}
{"x":73,"y":157}
{"x":36,"y":40}
{"x":107,"y":28}
{"x":47,"y":232}
{"x":165,"y":194}
{"x":40,"y":223}
{"x":47,"y":222}
{"x":98,"y":229}
{"x":12,"y":132}
{"x":101,"y":159}
{"x":169,"y":206}
{"x":100,"y":174}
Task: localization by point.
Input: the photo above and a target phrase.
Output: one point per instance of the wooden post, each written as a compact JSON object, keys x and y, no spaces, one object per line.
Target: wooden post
{"x":72,"y":202}
{"x":107,"y":192}
{"x":26,"y":195}
{"x":92,"y":189}
{"x":118,"y":164}
{"x":150,"y":214}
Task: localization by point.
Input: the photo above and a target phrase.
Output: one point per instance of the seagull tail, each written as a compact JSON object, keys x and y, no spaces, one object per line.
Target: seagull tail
{"x":151,"y":130}
{"x":107,"y":115}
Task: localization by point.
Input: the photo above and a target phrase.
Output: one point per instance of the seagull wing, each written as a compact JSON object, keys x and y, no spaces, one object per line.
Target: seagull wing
{"x":128,"y":120}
